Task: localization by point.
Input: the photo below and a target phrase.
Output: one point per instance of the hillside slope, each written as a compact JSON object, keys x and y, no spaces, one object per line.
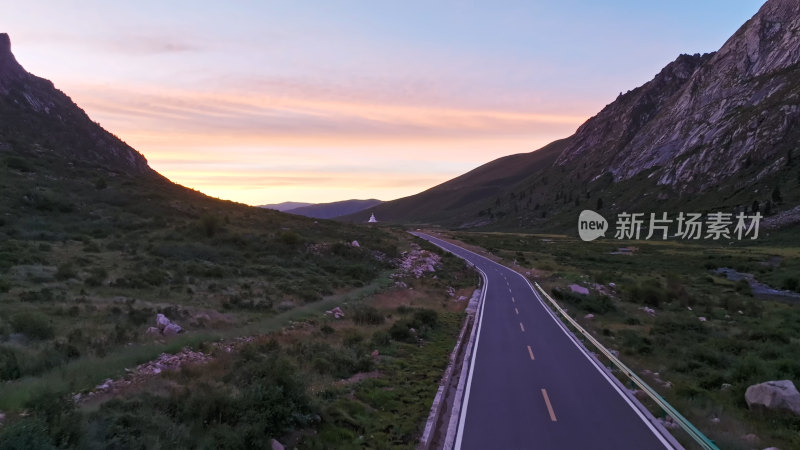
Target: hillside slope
{"x":333,"y":209}
{"x":717,"y":132}
{"x":455,"y":199}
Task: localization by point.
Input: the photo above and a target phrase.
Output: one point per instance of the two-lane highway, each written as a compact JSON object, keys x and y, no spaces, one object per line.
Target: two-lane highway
{"x":531,"y":385}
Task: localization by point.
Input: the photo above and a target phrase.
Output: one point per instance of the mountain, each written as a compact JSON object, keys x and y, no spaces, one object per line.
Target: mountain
{"x":285,"y":206}
{"x":333,"y":209}
{"x":30,"y":105}
{"x":456,"y":199}
{"x":719,"y":131}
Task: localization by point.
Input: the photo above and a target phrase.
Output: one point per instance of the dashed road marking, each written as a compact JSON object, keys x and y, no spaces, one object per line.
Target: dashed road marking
{"x":521,"y":327}
{"x":530,"y":352}
{"x":549,"y":406}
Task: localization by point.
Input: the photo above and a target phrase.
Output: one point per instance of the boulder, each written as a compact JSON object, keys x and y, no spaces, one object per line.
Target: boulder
{"x":275,"y":445}
{"x":774,"y":395}
{"x":589,"y":316}
{"x":578,"y":289}
{"x":355,"y":244}
{"x":172,"y":329}
{"x":153,"y":331}
{"x":162,"y":321}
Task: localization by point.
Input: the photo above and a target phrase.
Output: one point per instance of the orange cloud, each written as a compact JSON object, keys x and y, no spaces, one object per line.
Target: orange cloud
{"x":269,"y":147}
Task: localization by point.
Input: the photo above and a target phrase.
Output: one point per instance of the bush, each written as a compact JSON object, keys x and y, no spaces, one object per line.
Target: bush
{"x":9,"y":367}
{"x":26,"y":434}
{"x":65,"y":271}
{"x":426,"y":317}
{"x":743,"y":287}
{"x":400,"y":331}
{"x":367,"y":315}
{"x":790,"y":284}
{"x":32,"y":324}
{"x":648,"y":292}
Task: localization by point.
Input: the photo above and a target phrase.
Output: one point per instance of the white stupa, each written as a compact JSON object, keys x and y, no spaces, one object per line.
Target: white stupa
{"x":372,"y":219}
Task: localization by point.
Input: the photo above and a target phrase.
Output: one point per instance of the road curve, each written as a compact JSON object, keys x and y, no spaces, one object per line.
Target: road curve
{"x":531,"y":386}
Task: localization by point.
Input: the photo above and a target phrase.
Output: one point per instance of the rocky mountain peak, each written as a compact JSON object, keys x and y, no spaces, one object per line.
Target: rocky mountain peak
{"x":38,"y":117}
{"x":9,"y":67}
{"x":703,"y":118}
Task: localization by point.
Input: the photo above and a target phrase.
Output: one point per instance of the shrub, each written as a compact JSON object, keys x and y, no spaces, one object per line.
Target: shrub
{"x":211,"y":225}
{"x":25,"y":434}
{"x":400,"y":331}
{"x":367,"y":315}
{"x":9,"y":367}
{"x":649,"y":292}
{"x":65,"y":271}
{"x":790,"y":284}
{"x":290,"y":238}
{"x":426,"y":317}
{"x":32,"y":324}
{"x":743,"y":287}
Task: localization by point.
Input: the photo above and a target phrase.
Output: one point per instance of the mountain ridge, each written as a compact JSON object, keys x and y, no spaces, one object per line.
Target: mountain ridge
{"x":709,"y":131}
{"x":30,"y":104}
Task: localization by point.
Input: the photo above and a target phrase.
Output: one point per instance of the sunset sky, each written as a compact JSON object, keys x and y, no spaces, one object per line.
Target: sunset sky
{"x":271,"y":101}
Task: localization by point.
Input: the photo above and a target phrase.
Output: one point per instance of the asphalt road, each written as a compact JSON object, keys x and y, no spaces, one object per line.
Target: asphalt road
{"x":530,"y":386}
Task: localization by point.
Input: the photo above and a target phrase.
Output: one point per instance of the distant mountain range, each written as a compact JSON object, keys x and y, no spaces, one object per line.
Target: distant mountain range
{"x":285,"y":206}
{"x":334,"y":209}
{"x":719,"y":131}
{"x":324,"y":210}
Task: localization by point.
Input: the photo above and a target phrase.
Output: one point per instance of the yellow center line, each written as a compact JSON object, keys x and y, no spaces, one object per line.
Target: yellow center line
{"x":521,"y":327}
{"x":530,"y":352}
{"x":549,"y":406}
{"x":516,"y":311}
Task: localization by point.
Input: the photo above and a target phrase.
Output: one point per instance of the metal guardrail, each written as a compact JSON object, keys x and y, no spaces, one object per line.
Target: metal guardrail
{"x":684,"y":423}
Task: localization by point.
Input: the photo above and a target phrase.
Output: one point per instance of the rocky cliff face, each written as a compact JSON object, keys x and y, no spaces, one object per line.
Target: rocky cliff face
{"x":703,"y":118}
{"x":37,"y":117}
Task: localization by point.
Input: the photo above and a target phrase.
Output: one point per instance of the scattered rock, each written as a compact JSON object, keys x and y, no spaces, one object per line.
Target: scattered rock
{"x":416,"y":262}
{"x":354,"y":244}
{"x":461,"y":298}
{"x":375,"y":354}
{"x":689,"y":308}
{"x":275,"y":444}
{"x":451,"y":291}
{"x":589,"y":316}
{"x":578,"y":289}
{"x":153,"y":331}
{"x":162,"y":321}
{"x":715,"y":420}
{"x":740,"y":312}
{"x":337,"y":313}
{"x":725,"y":387}
{"x":774,"y":395}
{"x":649,"y":311}
{"x":612,"y":285}
{"x":172,"y":329}
{"x":401,"y":284}
{"x":165,"y":327}
{"x":702,"y":319}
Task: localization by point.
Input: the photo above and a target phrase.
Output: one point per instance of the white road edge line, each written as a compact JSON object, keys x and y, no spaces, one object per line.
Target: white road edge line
{"x":583,"y":351}
{"x":465,"y":403}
